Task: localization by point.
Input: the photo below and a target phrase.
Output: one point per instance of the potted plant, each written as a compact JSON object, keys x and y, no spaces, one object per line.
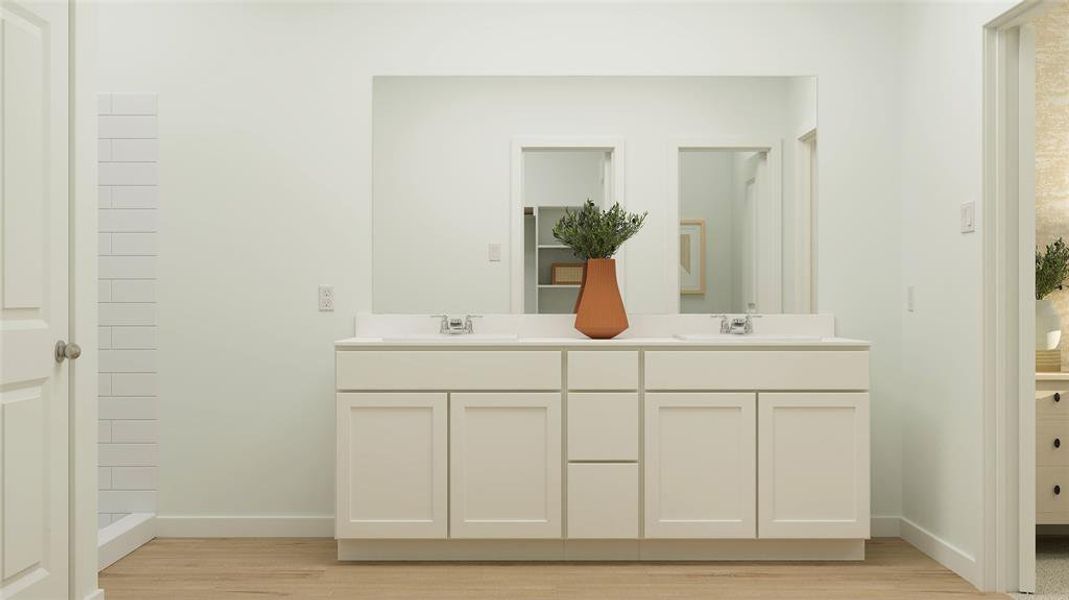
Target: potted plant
{"x":1052,"y":268}
{"x":595,"y":235}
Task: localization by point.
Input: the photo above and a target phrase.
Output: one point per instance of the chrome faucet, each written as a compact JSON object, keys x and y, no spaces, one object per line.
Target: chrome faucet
{"x":455,"y":325}
{"x":738,"y":324}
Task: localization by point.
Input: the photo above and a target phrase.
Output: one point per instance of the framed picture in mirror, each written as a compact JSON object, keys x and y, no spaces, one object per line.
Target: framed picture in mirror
{"x":692,"y":256}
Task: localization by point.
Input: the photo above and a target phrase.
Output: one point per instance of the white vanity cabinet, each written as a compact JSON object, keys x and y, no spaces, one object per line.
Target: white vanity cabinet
{"x":505,"y":457}
{"x":556,"y":449}
{"x":393,"y":465}
{"x":700,"y":465}
{"x":813,"y":465}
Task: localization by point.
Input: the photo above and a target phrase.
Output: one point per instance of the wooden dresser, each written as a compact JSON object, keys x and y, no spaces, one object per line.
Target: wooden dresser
{"x":1052,"y":448}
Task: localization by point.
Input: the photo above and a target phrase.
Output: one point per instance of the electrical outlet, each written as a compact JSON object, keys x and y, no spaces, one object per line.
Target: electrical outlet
{"x":326,"y":298}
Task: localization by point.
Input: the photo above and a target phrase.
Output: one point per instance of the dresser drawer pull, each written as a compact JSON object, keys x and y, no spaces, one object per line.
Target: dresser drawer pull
{"x":1057,"y":396}
{"x":1057,"y":490}
{"x":1057,"y":442}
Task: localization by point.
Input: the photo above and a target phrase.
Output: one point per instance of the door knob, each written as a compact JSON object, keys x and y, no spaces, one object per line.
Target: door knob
{"x":65,"y":351}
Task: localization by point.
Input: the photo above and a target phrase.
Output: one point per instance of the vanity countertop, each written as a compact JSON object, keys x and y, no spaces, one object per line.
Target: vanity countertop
{"x":476,"y":341}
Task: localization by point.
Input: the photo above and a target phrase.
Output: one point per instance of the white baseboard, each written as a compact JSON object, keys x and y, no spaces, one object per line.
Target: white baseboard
{"x":237,"y":526}
{"x":885,"y":526}
{"x":123,"y":537}
{"x":600,"y":550}
{"x":943,"y":552}
{"x":97,"y":595}
{"x":177,"y":526}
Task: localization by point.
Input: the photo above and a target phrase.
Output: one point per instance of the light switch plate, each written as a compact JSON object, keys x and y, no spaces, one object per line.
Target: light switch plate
{"x":326,"y":298}
{"x":495,"y":252}
{"x":968,"y":217}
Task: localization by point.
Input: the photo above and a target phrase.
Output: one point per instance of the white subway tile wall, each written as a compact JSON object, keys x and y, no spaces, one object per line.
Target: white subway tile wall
{"x":128,"y":154}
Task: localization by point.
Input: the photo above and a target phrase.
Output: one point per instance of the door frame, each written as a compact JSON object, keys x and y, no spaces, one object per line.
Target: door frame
{"x":805,"y":223}
{"x":82,"y":199}
{"x":1008,"y":329}
{"x":772,"y":148}
{"x":611,"y":144}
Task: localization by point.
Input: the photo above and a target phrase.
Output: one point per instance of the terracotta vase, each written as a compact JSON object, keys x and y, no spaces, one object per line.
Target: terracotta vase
{"x":599,"y":312}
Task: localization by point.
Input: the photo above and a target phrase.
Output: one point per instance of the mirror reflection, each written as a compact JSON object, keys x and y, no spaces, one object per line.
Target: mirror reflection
{"x":724,"y":265}
{"x":470,"y":174}
{"x":556,"y":180}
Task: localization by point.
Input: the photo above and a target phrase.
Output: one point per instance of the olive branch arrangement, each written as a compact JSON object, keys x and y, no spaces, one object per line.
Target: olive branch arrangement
{"x":595,"y":233}
{"x":1052,"y":268}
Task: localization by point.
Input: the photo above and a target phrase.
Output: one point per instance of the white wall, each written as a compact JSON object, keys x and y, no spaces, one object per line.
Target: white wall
{"x":459,"y":131}
{"x":562,"y":177}
{"x":707,"y":191}
{"x":266,"y":166}
{"x":942,"y":409}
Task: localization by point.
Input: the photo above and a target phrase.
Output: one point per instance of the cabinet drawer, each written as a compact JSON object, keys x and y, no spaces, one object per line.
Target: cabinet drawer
{"x":757,"y":370}
{"x":602,"y":370}
{"x":448,"y":370}
{"x":1052,"y":404}
{"x":1052,"y":443}
{"x":1050,"y":505}
{"x":603,"y":426}
{"x":602,"y":501}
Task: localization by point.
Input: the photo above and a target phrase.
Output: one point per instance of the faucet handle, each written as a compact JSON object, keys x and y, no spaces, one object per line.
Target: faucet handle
{"x":468,"y":327}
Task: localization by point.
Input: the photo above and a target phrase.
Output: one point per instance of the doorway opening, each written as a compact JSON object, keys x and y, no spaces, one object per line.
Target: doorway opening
{"x":745,"y":237}
{"x":1023,"y":378}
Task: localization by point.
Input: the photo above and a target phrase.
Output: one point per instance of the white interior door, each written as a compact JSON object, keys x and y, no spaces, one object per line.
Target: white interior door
{"x":749,"y":246}
{"x":1026,"y":189}
{"x":33,"y":300}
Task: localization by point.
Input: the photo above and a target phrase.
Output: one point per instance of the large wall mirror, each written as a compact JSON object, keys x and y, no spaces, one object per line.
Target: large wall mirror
{"x":471,"y":173}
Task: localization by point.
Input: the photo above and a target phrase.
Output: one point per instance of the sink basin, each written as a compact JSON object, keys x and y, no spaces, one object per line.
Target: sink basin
{"x":445,"y":337}
{"x":727,"y":338}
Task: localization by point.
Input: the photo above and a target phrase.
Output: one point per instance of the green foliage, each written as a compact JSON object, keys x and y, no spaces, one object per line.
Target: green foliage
{"x":593,"y":233}
{"x":1052,"y":268}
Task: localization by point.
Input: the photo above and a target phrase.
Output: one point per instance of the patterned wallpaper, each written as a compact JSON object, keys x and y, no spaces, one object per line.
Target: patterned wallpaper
{"x":1052,"y":142}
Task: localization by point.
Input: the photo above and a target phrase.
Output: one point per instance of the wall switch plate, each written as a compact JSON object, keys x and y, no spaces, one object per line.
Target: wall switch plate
{"x":910,"y":303}
{"x":495,"y":252}
{"x":326,"y":298}
{"x":968,"y":217}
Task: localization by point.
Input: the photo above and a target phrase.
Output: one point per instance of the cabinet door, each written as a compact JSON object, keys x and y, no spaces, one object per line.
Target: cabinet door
{"x":392,"y":466}
{"x":505,"y":458}
{"x":700,"y":466}
{"x":813,"y":460}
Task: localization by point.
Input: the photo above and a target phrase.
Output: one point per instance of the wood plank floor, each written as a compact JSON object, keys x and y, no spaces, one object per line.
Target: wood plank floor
{"x":225,"y":569}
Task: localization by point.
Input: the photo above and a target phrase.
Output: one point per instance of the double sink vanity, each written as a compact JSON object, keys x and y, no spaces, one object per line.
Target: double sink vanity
{"x":521,"y":440}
